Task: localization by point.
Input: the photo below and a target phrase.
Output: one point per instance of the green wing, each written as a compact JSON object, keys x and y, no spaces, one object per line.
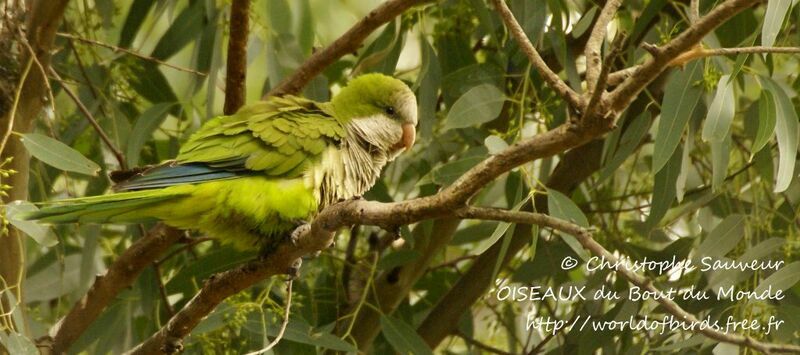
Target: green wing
{"x":277,"y":137}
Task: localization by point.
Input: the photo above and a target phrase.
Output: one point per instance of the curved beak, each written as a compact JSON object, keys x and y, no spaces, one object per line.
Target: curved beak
{"x":409,"y":135}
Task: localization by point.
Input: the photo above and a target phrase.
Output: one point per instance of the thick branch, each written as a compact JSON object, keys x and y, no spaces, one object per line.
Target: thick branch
{"x":119,"y":276}
{"x":624,"y":94}
{"x":43,"y":18}
{"x":549,"y":76}
{"x":595,"y":43}
{"x":347,"y":43}
{"x":237,"y":56}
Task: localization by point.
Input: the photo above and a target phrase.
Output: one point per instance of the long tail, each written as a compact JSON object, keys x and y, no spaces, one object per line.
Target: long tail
{"x":126,"y":207}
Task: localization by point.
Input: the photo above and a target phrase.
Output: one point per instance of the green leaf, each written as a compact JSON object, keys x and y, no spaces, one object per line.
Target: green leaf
{"x":686,"y":164}
{"x":136,"y":15}
{"x":143,"y":130}
{"x":634,"y":133}
{"x":720,"y":156}
{"x":532,"y":16}
{"x":54,"y":281}
{"x":479,"y":105}
{"x":584,"y":23}
{"x":448,"y":173}
{"x":397,"y":258}
{"x":560,"y":206}
{"x":680,"y":99}
{"x":720,"y":112}
{"x":403,"y":338}
{"x":724,"y":237}
{"x":664,"y":192}
{"x":766,"y":122}
{"x":58,"y":155}
{"x":428,"y":82}
{"x":187,"y":26}
{"x":495,"y":144}
{"x":148,"y":80}
{"x":773,"y":21}
{"x":18,"y":344}
{"x":782,"y":279}
{"x":786,"y":131}
{"x":40,"y":233}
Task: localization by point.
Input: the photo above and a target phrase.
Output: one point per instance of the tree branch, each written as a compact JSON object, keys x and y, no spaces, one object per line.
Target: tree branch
{"x":622,"y":96}
{"x":120,"y":275}
{"x":103,"y":136}
{"x":347,"y":43}
{"x":129,"y":52}
{"x":541,"y":67}
{"x":619,"y":76}
{"x":237,"y":56}
{"x":595,"y":44}
{"x":42,"y":20}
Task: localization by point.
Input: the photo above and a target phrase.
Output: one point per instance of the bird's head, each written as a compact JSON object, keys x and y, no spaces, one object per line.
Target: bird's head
{"x":381,"y":110}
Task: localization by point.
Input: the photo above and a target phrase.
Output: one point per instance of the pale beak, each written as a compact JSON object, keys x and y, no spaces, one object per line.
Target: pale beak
{"x":409,"y":135}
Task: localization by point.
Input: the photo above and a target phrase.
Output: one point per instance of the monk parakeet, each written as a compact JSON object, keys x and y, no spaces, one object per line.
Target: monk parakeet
{"x":250,"y":178}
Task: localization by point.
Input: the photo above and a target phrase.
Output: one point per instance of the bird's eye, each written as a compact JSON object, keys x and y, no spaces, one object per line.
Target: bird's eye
{"x":390,"y":111}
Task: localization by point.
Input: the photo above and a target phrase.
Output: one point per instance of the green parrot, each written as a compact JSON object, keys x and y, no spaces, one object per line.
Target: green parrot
{"x":251,"y":178}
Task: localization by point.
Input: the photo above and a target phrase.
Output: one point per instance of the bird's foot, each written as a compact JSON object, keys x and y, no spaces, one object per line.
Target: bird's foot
{"x":294,"y":269}
{"x":354,"y":198}
{"x":394,"y":230}
{"x":298,"y":232}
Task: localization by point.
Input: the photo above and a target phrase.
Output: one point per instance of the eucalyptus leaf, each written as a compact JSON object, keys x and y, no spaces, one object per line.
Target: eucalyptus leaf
{"x":786,"y":132}
{"x":560,"y":206}
{"x":479,"y":105}
{"x":143,"y":130}
{"x":766,"y":122}
{"x":773,"y":21}
{"x":680,"y":99}
{"x":782,"y":279}
{"x":720,"y":112}
{"x":40,"y":233}
{"x":724,"y":237}
{"x":403,"y":338}
{"x":58,"y":155}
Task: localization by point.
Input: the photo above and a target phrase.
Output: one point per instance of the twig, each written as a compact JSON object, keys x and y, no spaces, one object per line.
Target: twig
{"x":103,"y":136}
{"x":347,"y":43}
{"x":283,"y":325}
{"x":162,"y":290}
{"x":619,"y":76}
{"x":694,"y":11}
{"x":595,"y":44}
{"x":13,"y":113}
{"x":236,"y":71}
{"x":625,"y":93}
{"x":469,"y":340}
{"x":547,"y":74}
{"x":130,"y":52}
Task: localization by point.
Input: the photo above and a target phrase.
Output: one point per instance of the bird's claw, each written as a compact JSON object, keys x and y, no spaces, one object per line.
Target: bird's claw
{"x":294,"y":269}
{"x":298,"y":232}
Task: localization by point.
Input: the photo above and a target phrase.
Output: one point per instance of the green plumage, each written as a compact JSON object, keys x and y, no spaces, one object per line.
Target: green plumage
{"x":249,"y":178}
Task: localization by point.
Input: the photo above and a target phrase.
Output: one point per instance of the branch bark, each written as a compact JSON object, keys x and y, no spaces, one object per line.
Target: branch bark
{"x":625,"y":93}
{"x":237,"y":56}
{"x":527,"y":47}
{"x":349,"y":42}
{"x":119,"y":276}
{"x":595,"y":44}
{"x":42,"y":20}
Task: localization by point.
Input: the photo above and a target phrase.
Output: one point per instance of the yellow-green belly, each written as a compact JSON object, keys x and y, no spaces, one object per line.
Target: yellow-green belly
{"x":248,"y":212}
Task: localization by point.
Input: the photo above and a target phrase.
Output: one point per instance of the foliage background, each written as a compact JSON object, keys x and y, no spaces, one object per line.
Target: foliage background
{"x":477,"y":94}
